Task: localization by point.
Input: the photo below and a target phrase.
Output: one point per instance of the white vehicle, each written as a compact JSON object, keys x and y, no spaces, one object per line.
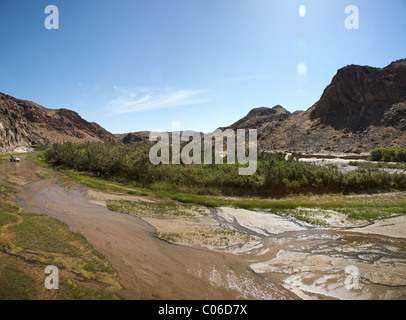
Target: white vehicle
{"x":14,"y":159}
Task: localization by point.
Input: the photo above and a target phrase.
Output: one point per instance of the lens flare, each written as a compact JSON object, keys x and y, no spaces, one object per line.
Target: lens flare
{"x":302,"y":69}
{"x":302,"y":10}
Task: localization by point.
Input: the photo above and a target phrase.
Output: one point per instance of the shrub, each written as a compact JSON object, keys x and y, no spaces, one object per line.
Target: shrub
{"x":276,"y":174}
{"x":388,"y":155}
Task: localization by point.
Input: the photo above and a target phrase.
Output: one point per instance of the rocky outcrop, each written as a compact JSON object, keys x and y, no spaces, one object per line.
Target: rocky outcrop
{"x":396,"y":116}
{"x":136,"y":137}
{"x":258,"y":116}
{"x":25,"y":123}
{"x":359,"y":97}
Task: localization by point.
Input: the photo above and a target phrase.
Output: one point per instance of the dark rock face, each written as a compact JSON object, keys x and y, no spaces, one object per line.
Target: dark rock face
{"x":25,"y":123}
{"x":360,"y":96}
{"x":396,"y":116}
{"x":136,"y":137}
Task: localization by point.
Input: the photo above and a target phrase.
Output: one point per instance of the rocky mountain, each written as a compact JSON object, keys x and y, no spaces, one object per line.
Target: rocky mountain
{"x":258,"y":116}
{"x":358,"y":97}
{"x":25,"y":123}
{"x":363,"y":108}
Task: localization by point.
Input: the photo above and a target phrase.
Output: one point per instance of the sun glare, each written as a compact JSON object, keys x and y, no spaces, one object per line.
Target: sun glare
{"x":302,"y":11}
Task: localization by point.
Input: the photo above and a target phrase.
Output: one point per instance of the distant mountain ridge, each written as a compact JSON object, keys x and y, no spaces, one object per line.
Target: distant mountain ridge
{"x":24,"y":123}
{"x":363,"y":108}
{"x":259,"y":116}
{"x":143,"y":136}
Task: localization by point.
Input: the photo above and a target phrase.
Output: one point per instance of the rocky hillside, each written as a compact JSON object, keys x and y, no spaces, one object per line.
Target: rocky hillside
{"x":258,"y":116}
{"x":363,"y":108}
{"x":134,"y":137}
{"x":143,"y":136}
{"x":25,"y":123}
{"x":359,"y":97}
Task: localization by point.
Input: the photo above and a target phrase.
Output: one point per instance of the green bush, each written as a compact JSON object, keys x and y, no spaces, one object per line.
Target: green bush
{"x":388,"y":155}
{"x":275,"y":175}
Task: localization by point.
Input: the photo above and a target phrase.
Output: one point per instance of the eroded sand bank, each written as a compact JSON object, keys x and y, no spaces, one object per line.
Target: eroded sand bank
{"x":318,"y":263}
{"x":392,"y":227}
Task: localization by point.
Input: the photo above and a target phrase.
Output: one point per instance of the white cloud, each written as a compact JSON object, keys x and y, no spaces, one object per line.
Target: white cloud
{"x":148,"y":99}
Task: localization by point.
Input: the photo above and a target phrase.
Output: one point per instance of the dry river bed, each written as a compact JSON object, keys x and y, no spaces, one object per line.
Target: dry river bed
{"x":344,"y":166}
{"x":251,"y":255}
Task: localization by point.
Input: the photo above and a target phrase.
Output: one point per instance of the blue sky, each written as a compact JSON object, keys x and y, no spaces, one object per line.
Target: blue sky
{"x":133,"y":65}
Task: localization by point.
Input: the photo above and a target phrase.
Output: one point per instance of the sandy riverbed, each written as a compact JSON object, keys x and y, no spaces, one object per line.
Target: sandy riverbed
{"x":282,"y":258}
{"x":343,"y":165}
{"x":148,"y":268}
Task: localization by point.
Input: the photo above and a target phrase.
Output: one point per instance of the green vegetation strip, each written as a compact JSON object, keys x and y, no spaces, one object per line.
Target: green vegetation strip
{"x":276,"y":175}
{"x":29,"y":243}
{"x":357,"y":206}
{"x":156,"y":210}
{"x":388,"y":155}
{"x":378,"y":165}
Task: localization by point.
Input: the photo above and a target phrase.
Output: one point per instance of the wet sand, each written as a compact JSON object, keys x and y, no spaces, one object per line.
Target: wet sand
{"x":327,"y":263}
{"x":288,"y":260}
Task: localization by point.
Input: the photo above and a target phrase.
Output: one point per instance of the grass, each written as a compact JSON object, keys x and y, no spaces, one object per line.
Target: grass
{"x":41,"y":233}
{"x":29,"y":243}
{"x":61,"y":180}
{"x":39,"y":159}
{"x":377,"y":165}
{"x":16,"y":284}
{"x":45,"y":174}
{"x":356,"y":206}
{"x":184,"y":223}
{"x":102,"y":184}
{"x":305,"y":216}
{"x":362,"y":207}
{"x":6,"y":219}
{"x":170,"y":236}
{"x":156,"y":210}
{"x":5,"y":156}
